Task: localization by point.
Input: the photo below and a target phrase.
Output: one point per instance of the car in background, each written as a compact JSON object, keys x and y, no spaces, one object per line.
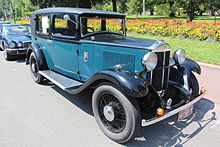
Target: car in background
{"x":15,"y":39}
{"x":1,"y":24}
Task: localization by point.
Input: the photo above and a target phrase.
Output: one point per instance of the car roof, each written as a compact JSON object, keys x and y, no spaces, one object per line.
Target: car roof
{"x":4,"y":22}
{"x":76,"y":11}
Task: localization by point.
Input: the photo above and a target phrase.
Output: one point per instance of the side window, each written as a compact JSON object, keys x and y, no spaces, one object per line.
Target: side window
{"x":64,"y":28}
{"x":43,"y":25}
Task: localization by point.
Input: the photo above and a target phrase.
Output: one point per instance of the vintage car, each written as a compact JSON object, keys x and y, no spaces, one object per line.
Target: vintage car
{"x":135,"y":81}
{"x":15,"y":39}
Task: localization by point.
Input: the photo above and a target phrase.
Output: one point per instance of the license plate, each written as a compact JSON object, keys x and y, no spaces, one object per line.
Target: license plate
{"x":185,"y":113}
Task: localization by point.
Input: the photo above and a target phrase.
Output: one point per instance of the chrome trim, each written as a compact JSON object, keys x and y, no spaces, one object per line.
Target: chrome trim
{"x":151,"y":77}
{"x":186,"y":82}
{"x":160,"y":46}
{"x":163,"y":72}
{"x":145,"y":122}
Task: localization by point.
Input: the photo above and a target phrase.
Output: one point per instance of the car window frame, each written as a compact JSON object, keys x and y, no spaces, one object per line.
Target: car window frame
{"x":36,"y":25}
{"x":100,"y":16}
{"x":63,"y":36}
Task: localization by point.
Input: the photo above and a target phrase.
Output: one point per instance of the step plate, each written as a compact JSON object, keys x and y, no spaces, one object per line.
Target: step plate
{"x":60,"y":80}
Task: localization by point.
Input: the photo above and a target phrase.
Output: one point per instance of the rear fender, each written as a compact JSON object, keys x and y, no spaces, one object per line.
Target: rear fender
{"x":38,"y":54}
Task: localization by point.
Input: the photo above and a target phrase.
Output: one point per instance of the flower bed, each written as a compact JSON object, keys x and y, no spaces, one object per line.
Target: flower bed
{"x":175,"y":28}
{"x":164,"y":27}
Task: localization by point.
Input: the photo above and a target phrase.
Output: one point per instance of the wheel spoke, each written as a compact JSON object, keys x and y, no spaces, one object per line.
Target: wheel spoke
{"x":119,"y":122}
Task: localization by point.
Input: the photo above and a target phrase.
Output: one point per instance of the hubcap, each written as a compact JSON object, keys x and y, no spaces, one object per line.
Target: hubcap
{"x":109,"y":113}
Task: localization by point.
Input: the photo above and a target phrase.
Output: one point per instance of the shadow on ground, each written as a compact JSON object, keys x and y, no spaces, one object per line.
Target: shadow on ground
{"x":169,"y":132}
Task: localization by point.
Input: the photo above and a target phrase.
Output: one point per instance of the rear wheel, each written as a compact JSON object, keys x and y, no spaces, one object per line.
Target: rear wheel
{"x":34,"y":67}
{"x":118,"y":116}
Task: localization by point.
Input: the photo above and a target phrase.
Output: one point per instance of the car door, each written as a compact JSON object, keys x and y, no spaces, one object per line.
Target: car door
{"x":65,"y":46}
{"x":43,"y":37}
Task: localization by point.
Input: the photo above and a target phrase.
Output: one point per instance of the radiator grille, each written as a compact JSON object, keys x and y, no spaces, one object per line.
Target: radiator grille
{"x":112,"y":58}
{"x":159,"y":76}
{"x":27,"y":44}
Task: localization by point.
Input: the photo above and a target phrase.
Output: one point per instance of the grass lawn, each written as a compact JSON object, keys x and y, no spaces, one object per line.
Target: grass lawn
{"x":208,"y":52}
{"x":155,"y":17}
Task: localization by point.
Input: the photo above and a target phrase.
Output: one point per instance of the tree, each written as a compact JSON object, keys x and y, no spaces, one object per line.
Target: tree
{"x":135,"y":6}
{"x":212,"y":5}
{"x":5,"y":8}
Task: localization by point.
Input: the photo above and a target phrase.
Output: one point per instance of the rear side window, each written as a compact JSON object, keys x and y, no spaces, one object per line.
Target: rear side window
{"x":43,"y":25}
{"x":64,"y":28}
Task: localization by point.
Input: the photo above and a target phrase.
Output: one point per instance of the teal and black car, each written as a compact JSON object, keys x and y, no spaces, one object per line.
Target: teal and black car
{"x":135,"y":82}
{"x":15,"y":39}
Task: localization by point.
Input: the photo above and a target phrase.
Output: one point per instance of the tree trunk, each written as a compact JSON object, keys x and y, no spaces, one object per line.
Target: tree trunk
{"x":200,"y":13}
{"x":144,"y":8}
{"x":114,"y":5}
{"x":123,"y":4}
{"x":172,"y":11}
{"x":151,"y":10}
{"x":212,"y":12}
{"x":190,"y":11}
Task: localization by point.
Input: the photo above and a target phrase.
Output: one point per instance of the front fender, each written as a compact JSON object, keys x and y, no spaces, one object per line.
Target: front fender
{"x":129,"y":83}
{"x":39,"y":55}
{"x":189,"y":66}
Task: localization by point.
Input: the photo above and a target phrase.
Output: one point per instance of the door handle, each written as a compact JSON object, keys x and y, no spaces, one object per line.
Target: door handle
{"x":50,"y":43}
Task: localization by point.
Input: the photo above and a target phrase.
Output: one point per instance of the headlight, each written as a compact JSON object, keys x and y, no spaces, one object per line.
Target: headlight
{"x":19,"y":44}
{"x":179,"y":56}
{"x":150,"y":61}
{"x":12,"y":45}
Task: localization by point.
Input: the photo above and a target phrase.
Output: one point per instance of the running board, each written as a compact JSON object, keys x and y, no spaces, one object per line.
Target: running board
{"x":61,"y":81}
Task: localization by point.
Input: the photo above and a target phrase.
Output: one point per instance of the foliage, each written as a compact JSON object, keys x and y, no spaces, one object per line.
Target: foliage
{"x":135,"y":7}
{"x":5,"y":6}
{"x":162,"y":9}
{"x":176,"y":28}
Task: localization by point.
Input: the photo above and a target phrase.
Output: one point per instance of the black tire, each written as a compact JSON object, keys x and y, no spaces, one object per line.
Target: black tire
{"x":34,"y":68}
{"x":126,"y":122}
{"x":7,"y":56}
{"x":193,"y":85}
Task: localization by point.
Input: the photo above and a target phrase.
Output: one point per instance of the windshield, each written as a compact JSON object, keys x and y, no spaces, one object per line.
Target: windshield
{"x":17,"y":30}
{"x":91,"y":25}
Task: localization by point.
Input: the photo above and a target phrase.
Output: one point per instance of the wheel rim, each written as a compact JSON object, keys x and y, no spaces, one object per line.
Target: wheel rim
{"x":34,"y":68}
{"x":111,"y":113}
{"x":5,"y":55}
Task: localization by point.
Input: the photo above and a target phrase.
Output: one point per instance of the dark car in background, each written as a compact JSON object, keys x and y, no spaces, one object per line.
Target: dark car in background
{"x":15,"y":39}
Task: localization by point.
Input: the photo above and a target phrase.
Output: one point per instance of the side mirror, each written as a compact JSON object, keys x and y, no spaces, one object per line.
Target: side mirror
{"x":66,"y":17}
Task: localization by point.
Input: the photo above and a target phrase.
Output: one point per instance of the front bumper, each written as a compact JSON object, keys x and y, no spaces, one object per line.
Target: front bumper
{"x":16,"y":51}
{"x":145,"y":123}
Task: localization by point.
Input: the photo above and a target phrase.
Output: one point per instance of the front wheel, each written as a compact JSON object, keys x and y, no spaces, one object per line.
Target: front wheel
{"x":118,"y":116}
{"x":34,"y":67}
{"x":7,"y":56}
